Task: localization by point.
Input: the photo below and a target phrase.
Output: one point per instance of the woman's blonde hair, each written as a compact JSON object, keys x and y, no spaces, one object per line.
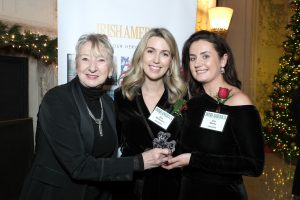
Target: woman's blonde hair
{"x":99,"y":42}
{"x":135,"y":77}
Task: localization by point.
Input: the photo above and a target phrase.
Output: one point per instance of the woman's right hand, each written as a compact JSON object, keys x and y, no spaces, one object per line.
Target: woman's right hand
{"x":178,"y":161}
{"x":155,"y":157}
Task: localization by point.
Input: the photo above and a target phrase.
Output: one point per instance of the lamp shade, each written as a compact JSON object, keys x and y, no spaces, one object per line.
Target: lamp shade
{"x":219,"y":18}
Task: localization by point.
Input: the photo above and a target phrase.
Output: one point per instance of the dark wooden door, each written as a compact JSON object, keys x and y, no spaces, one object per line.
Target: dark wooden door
{"x":13,"y":87}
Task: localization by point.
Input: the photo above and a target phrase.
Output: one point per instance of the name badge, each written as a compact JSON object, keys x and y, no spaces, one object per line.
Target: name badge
{"x":161,"y":118}
{"x":214,"y":121}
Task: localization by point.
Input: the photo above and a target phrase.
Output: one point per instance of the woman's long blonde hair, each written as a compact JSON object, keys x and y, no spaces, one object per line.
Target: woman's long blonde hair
{"x":135,"y":77}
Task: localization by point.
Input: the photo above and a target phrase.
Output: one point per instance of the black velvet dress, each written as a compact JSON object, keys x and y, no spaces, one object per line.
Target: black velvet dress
{"x":220,"y":159}
{"x":153,"y":184}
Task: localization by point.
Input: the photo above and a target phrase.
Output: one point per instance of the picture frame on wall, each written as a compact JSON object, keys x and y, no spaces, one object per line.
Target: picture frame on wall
{"x":71,"y":67}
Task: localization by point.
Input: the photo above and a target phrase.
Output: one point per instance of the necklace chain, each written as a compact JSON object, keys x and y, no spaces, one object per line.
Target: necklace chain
{"x":97,"y":121}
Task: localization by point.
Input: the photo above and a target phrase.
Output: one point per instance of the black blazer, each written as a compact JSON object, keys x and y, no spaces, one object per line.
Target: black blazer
{"x":63,"y":166}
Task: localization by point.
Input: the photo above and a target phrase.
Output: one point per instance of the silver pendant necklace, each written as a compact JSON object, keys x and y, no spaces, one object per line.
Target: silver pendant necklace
{"x":97,"y":121}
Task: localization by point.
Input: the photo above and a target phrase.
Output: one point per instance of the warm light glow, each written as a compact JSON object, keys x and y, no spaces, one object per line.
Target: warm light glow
{"x":219,"y":19}
{"x":202,"y":22}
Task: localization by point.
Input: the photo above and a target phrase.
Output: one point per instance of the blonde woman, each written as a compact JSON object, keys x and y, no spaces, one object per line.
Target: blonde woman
{"x":148,"y":92}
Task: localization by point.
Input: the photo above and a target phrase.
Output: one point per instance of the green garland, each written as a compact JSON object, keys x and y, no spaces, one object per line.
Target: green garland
{"x":39,"y":46}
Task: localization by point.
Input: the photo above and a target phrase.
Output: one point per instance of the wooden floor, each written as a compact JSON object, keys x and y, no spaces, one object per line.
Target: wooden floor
{"x":276,"y":181}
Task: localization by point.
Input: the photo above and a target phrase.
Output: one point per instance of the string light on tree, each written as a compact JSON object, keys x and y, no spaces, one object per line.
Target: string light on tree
{"x":279,"y":126}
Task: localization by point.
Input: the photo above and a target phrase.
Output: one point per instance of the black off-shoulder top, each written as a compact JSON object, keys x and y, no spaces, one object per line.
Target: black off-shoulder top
{"x":222,"y":156}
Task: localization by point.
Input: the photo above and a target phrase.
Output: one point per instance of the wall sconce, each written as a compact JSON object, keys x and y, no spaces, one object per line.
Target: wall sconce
{"x":219,"y":19}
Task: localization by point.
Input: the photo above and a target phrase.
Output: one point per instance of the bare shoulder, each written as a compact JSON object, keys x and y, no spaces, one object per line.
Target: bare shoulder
{"x":239,"y":98}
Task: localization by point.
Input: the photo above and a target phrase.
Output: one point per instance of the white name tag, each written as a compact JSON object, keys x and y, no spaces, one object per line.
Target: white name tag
{"x":214,"y":121}
{"x":161,"y":117}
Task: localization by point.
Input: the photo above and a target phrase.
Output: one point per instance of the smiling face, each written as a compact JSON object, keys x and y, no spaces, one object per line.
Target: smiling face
{"x":205,"y":63}
{"x":157,"y":58}
{"x":93,"y":65}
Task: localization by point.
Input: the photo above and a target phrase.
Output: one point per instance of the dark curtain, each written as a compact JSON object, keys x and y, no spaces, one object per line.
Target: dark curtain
{"x":16,"y":149}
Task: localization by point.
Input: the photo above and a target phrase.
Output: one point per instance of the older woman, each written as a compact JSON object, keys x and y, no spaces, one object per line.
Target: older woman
{"x":76,"y":136}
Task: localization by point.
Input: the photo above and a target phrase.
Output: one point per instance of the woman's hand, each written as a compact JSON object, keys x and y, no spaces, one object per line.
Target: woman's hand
{"x":178,"y":161}
{"x":155,"y":157}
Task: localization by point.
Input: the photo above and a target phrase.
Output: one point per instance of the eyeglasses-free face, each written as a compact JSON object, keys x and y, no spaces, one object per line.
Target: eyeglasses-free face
{"x":93,"y":65}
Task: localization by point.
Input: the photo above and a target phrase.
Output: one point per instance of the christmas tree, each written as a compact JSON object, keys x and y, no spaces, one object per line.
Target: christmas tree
{"x":279,"y":126}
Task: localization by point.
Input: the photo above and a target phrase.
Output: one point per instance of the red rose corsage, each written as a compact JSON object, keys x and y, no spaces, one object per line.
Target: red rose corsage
{"x":223,"y":96}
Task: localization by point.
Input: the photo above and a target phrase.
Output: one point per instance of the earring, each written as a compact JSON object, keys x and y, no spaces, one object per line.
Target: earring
{"x":222,"y":70}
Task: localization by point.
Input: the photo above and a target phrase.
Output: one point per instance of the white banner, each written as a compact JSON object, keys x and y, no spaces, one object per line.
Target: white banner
{"x":124,"y":21}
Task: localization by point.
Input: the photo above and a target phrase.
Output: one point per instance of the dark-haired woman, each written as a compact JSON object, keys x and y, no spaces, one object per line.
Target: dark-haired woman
{"x":222,"y":135}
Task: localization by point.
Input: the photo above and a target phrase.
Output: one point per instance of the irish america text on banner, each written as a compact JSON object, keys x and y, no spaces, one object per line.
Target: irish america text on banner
{"x":124,"y":22}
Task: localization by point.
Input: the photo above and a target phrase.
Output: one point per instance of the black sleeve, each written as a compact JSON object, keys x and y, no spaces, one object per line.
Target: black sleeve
{"x":138,"y":163}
